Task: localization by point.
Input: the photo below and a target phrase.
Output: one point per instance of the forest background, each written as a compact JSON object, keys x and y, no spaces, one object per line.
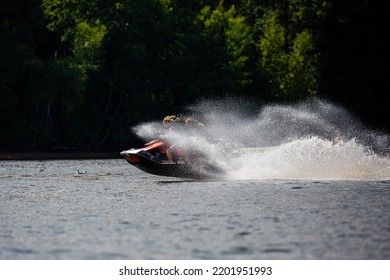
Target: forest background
{"x":78,"y":74}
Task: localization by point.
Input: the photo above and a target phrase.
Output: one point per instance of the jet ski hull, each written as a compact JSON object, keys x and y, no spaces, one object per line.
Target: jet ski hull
{"x":152,"y":159}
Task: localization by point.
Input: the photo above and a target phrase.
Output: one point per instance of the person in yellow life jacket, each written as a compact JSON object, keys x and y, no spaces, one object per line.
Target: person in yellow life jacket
{"x":172,"y":122}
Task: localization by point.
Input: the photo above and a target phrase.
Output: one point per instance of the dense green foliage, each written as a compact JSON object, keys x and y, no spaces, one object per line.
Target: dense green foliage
{"x":79,"y":73}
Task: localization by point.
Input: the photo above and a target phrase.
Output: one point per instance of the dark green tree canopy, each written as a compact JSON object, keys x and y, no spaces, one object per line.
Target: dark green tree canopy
{"x":81,"y":72}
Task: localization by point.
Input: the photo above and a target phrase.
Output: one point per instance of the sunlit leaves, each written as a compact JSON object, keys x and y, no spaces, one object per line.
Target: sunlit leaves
{"x":230,"y":31}
{"x":291,"y":69}
{"x":87,"y":44}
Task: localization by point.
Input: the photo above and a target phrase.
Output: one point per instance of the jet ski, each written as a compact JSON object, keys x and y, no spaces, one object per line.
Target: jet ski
{"x":152,"y":158}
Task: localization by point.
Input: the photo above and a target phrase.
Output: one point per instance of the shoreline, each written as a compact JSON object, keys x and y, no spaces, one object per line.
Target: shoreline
{"x":59,"y":156}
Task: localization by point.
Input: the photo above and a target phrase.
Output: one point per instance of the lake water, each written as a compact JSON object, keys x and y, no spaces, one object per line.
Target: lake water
{"x":115,"y":211}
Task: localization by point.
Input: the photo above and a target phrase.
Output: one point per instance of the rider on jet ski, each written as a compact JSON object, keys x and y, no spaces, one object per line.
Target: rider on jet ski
{"x":174,"y":122}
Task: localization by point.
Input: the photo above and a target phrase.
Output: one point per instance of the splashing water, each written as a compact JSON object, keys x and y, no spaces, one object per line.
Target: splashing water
{"x":311,"y":158}
{"x":283,"y":142}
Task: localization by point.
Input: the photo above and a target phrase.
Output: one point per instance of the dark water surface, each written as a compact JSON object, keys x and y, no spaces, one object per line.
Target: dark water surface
{"x":114,"y":211}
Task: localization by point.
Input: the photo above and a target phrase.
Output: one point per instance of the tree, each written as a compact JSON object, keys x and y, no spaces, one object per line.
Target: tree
{"x":354,"y":61}
{"x":229,"y":39}
{"x":81,"y":72}
{"x":288,"y":54}
{"x":33,"y":82}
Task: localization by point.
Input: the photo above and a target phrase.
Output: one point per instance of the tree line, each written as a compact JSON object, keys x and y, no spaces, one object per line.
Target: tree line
{"x":77,"y":74}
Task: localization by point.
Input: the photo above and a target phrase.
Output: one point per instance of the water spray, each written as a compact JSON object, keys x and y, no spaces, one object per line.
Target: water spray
{"x":307,"y":141}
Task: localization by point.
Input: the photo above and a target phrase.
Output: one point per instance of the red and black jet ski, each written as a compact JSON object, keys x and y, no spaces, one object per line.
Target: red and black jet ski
{"x":152,"y":159}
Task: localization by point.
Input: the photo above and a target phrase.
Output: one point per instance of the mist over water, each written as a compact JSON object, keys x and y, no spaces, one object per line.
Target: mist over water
{"x":311,"y":140}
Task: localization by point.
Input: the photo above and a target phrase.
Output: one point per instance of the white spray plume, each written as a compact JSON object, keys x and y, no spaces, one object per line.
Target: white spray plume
{"x":282,"y":142}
